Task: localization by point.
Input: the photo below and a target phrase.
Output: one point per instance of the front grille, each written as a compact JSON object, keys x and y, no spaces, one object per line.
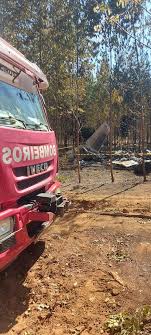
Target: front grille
{"x":23,"y":184}
{"x":7,"y":244}
{"x":26,"y":199}
{"x":22,"y":171}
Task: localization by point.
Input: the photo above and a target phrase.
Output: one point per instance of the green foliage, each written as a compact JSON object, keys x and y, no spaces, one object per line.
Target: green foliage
{"x":129,"y":324}
{"x":57,"y":34}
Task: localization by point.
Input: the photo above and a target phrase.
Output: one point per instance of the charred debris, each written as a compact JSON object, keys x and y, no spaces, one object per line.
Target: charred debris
{"x":94,"y":152}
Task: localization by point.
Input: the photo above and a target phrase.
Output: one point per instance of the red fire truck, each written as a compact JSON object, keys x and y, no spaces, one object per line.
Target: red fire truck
{"x":30,"y":196}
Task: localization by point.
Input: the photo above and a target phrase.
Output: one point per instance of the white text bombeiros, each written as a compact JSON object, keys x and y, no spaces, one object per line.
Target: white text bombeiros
{"x":27,"y":153}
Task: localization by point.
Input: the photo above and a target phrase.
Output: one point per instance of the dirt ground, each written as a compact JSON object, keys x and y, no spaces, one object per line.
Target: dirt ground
{"x":88,"y":266}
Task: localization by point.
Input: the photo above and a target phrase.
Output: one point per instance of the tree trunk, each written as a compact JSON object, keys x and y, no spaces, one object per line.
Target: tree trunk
{"x":110,"y":120}
{"x":143,"y":141}
{"x":142,"y":134}
{"x":77,"y":98}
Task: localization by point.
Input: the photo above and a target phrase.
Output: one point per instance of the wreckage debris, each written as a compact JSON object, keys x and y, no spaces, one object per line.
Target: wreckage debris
{"x":95,"y":142}
{"x":123,"y":159}
{"x":90,"y":151}
{"x":131,"y":161}
{"x":125,"y":164}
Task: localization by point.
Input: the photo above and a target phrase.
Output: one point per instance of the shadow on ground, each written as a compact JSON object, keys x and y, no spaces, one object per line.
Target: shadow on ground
{"x":14,"y":295}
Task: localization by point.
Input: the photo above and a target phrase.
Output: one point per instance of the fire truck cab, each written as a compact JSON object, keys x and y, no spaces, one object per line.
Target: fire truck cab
{"x":30,"y":196}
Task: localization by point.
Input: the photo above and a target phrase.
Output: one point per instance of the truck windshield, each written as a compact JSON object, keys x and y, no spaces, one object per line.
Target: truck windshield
{"x":21,"y":109}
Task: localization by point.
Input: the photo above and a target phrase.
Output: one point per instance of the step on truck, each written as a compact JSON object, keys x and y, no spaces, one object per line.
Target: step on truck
{"x":30,"y":196}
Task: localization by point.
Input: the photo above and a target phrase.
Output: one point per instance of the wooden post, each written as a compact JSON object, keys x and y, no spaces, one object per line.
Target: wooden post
{"x":78,"y":151}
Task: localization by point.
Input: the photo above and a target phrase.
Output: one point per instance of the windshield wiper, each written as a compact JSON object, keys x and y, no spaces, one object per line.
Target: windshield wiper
{"x":43,"y":125}
{"x":38,"y":126}
{"x":9,"y":120}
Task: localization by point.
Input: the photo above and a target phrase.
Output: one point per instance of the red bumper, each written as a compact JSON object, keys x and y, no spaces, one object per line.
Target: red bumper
{"x":20,"y":239}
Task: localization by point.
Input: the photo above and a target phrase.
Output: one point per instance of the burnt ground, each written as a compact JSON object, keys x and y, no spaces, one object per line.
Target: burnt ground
{"x":88,"y":266}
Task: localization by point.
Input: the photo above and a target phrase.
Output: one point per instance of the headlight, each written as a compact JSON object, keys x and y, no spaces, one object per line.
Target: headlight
{"x":6,"y":227}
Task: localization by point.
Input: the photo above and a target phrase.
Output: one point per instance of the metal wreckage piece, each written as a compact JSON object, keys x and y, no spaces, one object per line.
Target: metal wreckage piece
{"x":95,"y":142}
